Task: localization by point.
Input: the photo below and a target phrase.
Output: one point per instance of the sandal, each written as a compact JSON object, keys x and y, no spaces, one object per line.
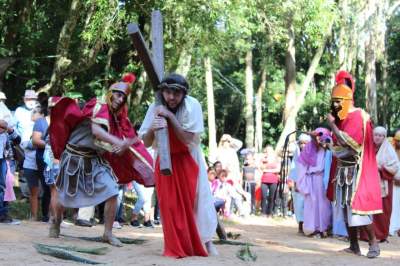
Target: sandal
{"x":374,"y":251}
{"x":352,"y":251}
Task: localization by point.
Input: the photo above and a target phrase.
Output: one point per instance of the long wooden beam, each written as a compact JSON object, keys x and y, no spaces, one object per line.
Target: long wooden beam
{"x":144,"y":54}
{"x":154,"y":68}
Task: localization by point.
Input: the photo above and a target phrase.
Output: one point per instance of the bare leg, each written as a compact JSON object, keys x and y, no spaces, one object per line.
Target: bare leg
{"x":211,"y":250}
{"x":54,"y":231}
{"x":300,"y":231}
{"x":53,"y":200}
{"x":371,"y":234}
{"x":34,"y":202}
{"x":110,"y":210}
{"x":221,"y":230}
{"x":374,"y":250}
{"x":354,"y":247}
{"x":134,"y":217}
{"x":146,"y":217}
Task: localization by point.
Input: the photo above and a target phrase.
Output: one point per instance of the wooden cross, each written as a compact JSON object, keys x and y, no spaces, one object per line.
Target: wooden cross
{"x":154,"y":67}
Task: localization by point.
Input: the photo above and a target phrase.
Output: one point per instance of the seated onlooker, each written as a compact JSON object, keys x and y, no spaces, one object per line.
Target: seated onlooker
{"x":144,"y":195}
{"x":233,"y":198}
{"x":218,"y":202}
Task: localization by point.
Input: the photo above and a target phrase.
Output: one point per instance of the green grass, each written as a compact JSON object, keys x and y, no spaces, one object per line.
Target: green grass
{"x":20,"y":208}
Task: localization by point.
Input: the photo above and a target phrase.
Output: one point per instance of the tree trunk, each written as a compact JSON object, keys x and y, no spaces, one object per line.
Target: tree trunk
{"x":62,"y":62}
{"x":5,"y":63}
{"x":303,"y":91}
{"x":370,"y":79}
{"x":258,"y":143}
{"x":249,"y":115}
{"x":140,"y":89}
{"x":108,"y":67}
{"x":370,"y":64}
{"x":212,"y":133}
{"x":384,"y":100}
{"x":290,"y":79}
{"x":343,"y":36}
{"x":185,"y":59}
{"x":86,"y":60}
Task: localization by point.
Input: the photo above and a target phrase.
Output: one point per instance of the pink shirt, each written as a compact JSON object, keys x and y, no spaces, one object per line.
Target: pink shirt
{"x":270,"y":178}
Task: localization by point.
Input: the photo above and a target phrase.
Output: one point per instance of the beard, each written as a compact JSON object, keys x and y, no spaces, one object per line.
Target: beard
{"x":173,"y":109}
{"x":335,"y":111}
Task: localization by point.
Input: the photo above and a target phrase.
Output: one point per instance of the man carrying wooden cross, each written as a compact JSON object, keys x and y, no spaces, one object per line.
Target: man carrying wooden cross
{"x":186,"y":204}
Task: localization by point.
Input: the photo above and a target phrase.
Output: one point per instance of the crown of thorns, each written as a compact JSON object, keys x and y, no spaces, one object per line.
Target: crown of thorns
{"x":174,"y":86}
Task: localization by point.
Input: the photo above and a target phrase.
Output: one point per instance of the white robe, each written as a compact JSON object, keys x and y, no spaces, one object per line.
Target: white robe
{"x":190,"y":116}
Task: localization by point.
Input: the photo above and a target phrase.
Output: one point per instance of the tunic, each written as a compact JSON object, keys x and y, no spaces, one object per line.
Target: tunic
{"x":85,"y":178}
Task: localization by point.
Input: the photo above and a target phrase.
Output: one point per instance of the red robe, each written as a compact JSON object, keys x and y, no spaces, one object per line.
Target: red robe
{"x":177,"y":194}
{"x":381,"y":222}
{"x":367,"y":196}
{"x":135,"y":164}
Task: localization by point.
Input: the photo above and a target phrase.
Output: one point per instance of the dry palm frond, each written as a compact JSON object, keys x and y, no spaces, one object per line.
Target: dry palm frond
{"x":124,"y":240}
{"x":245,"y":254}
{"x":62,"y":254}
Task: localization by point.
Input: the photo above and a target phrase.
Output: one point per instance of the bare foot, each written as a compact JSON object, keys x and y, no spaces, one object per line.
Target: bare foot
{"x":112,"y":240}
{"x":211,"y":249}
{"x":54,"y":231}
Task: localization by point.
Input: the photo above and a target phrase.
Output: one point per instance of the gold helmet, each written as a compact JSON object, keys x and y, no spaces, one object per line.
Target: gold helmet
{"x":344,"y":94}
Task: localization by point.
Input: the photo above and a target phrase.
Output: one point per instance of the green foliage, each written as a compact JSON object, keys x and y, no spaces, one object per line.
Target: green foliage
{"x":224,"y":30}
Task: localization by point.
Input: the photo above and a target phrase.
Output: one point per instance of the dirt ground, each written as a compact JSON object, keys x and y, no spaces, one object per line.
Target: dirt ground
{"x":276,"y":244}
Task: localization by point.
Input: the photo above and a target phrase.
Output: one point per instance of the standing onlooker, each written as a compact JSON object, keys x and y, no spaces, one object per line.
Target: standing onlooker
{"x":251,"y":174}
{"x":5,"y":113}
{"x":52,"y":165}
{"x":23,"y":116}
{"x":269,"y":180}
{"x":227,"y":155}
{"x":298,"y":199}
{"x":395,"y":219}
{"x":39,"y":135}
{"x":389,"y":168}
{"x":31,"y":168}
{"x":311,"y":172}
{"x":24,"y":127}
{"x":4,"y":135}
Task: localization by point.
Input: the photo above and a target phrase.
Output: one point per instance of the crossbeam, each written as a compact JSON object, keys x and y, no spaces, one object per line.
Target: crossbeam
{"x":154,"y":67}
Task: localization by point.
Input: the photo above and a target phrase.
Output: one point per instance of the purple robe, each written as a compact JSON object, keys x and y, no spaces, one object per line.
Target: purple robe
{"x":317,"y":207}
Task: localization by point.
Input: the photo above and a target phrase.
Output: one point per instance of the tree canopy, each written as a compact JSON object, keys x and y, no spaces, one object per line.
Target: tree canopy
{"x":82,"y":47}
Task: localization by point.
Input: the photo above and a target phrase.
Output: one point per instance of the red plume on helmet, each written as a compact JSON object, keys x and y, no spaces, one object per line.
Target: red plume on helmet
{"x":344,"y":77}
{"x":125,"y":84}
{"x":129,"y":78}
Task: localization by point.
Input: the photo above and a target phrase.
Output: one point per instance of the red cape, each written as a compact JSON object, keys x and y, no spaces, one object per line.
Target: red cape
{"x":367,"y":196}
{"x":177,"y":195}
{"x":135,"y":164}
